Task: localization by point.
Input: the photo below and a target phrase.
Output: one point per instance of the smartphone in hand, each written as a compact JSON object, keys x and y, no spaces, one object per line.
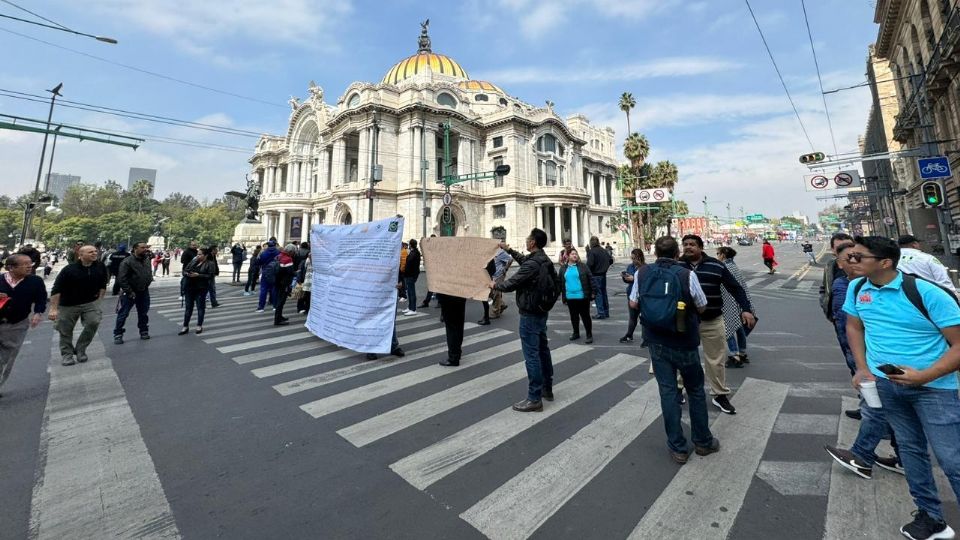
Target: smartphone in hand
{"x":890,"y":369}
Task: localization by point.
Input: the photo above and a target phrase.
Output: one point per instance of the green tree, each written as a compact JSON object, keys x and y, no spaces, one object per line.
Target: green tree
{"x":124,"y":227}
{"x":626,"y":104}
{"x":11,"y":221}
{"x":72,"y":229}
{"x":636,"y":149}
{"x":140,"y":193}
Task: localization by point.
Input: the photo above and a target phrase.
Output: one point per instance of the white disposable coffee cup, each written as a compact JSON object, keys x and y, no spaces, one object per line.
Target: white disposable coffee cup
{"x":868,"y":389}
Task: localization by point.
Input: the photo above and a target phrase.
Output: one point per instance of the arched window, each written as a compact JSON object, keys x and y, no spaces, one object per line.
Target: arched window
{"x":353,"y":101}
{"x":503,"y":102}
{"x":547,"y":143}
{"x":481,"y":97}
{"x":446,"y":100}
{"x":550,"y":173}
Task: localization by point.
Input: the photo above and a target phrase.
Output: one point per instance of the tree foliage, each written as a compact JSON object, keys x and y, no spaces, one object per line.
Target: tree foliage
{"x":642,"y":175}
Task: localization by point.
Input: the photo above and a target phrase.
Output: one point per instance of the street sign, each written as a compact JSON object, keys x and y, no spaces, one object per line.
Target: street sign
{"x":934,"y":167}
{"x":653,"y":195}
{"x":840,"y":180}
{"x":447,"y":199}
{"x":843,"y":180}
{"x":755,"y":218}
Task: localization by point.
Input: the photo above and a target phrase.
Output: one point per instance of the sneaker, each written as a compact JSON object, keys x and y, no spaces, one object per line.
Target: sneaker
{"x":548,"y":394}
{"x":406,"y":312}
{"x":850,"y":461}
{"x":924,"y":527}
{"x":574,"y":337}
{"x":259,"y":311}
{"x":679,"y":457}
{"x":247,"y":294}
{"x":68,"y":360}
{"x":409,"y":313}
{"x":712,"y":448}
{"x":144,"y":335}
{"x":398,"y":352}
{"x":734,"y":362}
{"x":528,"y":406}
{"x":853,"y":413}
{"x":589,"y":340}
{"x":744,"y":359}
{"x":484,"y":322}
{"x":449,"y":362}
{"x":82,"y":357}
{"x":118,"y":340}
{"x":302,"y":311}
{"x":626,"y":339}
{"x":372,"y":356}
{"x":722,"y":402}
{"x":891,"y":464}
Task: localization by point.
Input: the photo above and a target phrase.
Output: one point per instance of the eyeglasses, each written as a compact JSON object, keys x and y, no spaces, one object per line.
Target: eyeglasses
{"x":857,"y":257}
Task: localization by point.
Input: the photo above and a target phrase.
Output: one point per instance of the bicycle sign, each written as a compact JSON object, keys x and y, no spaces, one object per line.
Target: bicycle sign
{"x":934,"y":167}
{"x":656,"y":195}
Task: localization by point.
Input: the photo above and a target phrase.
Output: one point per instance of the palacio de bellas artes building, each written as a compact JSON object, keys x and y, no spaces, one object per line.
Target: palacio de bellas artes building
{"x":562,"y":177}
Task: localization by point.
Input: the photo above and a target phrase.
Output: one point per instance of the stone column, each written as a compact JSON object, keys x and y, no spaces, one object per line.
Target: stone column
{"x":316,"y":217}
{"x":305,"y":226}
{"x":324,"y":164}
{"x":431,"y":156}
{"x":538,"y":212}
{"x":339,"y":162}
{"x":311,"y":183}
{"x":557,"y":223}
{"x":363,"y":155}
{"x":267,"y":224}
{"x":268,"y":179}
{"x":282,"y":228}
{"x":463,"y":157}
{"x":417,"y":156}
{"x":574,"y":228}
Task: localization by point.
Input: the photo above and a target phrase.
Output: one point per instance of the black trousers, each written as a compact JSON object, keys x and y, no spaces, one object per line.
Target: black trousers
{"x":453,"y":309}
{"x":634,"y":319}
{"x":236,"y":271}
{"x":252,"y":278}
{"x":283,"y":291}
{"x":580,"y":310}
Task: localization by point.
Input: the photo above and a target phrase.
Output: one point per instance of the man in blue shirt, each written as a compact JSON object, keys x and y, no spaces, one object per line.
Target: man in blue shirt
{"x":920,"y":395}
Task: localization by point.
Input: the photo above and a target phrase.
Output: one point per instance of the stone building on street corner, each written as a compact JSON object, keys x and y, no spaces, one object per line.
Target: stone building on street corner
{"x":562,"y":178}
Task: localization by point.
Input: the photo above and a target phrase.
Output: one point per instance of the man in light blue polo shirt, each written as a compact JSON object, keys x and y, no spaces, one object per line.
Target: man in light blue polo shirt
{"x":922,"y":403}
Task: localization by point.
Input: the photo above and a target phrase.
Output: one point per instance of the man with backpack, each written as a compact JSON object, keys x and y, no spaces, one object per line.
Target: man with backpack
{"x":715,"y":276}
{"x":269,"y":267}
{"x":537,"y":289}
{"x":599,"y":261}
{"x":905,"y":335}
{"x":670,"y":298}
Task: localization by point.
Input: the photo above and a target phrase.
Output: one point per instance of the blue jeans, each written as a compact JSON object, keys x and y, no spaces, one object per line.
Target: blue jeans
{"x":922,"y":415}
{"x":142,"y":301}
{"x":411,"y":285}
{"x":213,"y":291}
{"x":267,"y":287}
{"x":873,"y":428}
{"x":737,"y":343}
{"x":536,"y":355}
{"x":840,"y":326}
{"x":603,"y":304}
{"x":666,"y":363}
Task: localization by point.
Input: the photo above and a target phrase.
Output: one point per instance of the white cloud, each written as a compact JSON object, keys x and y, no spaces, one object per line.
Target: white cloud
{"x":663,"y":67}
{"x":538,"y":19}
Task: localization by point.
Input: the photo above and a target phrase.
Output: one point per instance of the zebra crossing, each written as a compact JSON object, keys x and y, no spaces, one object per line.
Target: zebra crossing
{"x":378,"y":403}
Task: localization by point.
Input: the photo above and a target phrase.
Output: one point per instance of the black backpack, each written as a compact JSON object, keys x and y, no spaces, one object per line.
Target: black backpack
{"x":913,"y":294}
{"x":548,"y":287}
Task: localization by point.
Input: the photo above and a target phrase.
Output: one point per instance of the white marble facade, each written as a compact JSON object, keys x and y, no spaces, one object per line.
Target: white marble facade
{"x":562,"y":178}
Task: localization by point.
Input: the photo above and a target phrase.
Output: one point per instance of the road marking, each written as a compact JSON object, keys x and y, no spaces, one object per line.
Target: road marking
{"x":270,"y":330}
{"x":310,"y":361}
{"x":447,"y":456}
{"x":343,"y":400}
{"x":519,"y":507}
{"x":96,"y":478}
{"x":754,"y":281}
{"x":693,"y":491}
{"x":264,"y":330}
{"x":810,"y":478}
{"x":809,"y":424}
{"x":303,"y":334}
{"x":388,"y":423}
{"x":335,"y":375}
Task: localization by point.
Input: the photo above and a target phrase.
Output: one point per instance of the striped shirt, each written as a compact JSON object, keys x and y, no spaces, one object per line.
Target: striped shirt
{"x":714,"y":277}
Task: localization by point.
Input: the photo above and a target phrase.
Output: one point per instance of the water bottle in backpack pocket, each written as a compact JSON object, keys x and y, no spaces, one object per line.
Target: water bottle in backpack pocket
{"x":661,"y":295}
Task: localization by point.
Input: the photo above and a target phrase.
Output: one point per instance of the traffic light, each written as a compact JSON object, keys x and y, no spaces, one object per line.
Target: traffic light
{"x":815,"y":157}
{"x":932,"y":193}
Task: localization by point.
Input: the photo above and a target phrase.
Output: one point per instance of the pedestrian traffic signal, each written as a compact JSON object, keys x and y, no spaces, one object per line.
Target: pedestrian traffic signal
{"x":932,"y":193}
{"x":815,"y":157}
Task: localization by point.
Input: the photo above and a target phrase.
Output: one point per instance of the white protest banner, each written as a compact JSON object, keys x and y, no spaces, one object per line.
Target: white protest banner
{"x":457,"y":266}
{"x":353,"y":298}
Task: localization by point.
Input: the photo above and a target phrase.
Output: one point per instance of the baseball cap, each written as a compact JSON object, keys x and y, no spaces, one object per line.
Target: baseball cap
{"x":907,"y":239}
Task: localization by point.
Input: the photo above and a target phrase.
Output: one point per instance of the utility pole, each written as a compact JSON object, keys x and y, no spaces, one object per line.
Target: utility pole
{"x":373,"y":162}
{"x":28,"y":211}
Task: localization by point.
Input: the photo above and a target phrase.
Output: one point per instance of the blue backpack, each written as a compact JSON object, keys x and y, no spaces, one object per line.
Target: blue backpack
{"x":659,"y":292}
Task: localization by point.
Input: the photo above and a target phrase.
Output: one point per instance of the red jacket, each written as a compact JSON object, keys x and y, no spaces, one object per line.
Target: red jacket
{"x":767,"y":251}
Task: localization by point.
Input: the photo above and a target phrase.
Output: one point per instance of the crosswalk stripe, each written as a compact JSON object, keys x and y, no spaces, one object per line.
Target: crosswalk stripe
{"x":275,"y":352}
{"x":230,"y":321}
{"x":517,"y":508}
{"x":272,"y":329}
{"x":775,"y":284}
{"x":693,"y":490}
{"x":343,"y":400}
{"x":336,"y":375}
{"x":310,"y":361}
{"x":447,"y":456}
{"x":754,"y":281}
{"x":235,"y":327}
{"x":304,"y":334}
{"x":227,"y":307}
{"x":388,"y":423}
{"x":266,"y":328}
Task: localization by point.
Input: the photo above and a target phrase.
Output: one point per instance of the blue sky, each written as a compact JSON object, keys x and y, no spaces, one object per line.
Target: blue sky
{"x":707,"y":95}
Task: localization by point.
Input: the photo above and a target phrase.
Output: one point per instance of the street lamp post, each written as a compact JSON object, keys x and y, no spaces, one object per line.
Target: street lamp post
{"x":28,"y":212}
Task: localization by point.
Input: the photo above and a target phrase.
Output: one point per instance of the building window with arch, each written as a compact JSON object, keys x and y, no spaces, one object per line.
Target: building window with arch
{"x":446,"y":100}
{"x":503,"y":101}
{"x":550,"y":173}
{"x":322,"y":217}
{"x":353,"y":101}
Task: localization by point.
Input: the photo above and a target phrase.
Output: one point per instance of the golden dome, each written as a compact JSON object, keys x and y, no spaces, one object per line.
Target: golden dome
{"x":421,"y":63}
{"x":480,"y":86}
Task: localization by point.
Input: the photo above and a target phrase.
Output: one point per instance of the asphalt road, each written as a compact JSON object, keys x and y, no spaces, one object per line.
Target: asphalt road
{"x":248,"y":431}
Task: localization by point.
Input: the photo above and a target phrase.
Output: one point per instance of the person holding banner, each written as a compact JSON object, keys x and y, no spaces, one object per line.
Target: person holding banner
{"x":453,"y":311}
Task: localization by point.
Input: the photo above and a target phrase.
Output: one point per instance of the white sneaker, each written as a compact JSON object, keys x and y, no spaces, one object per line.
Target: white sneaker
{"x":409,"y":313}
{"x":406,"y":311}
{"x":302,"y":311}
{"x":259,"y":311}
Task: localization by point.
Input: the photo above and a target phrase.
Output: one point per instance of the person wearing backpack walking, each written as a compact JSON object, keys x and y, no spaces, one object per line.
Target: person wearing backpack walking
{"x":577,"y":291}
{"x":538,"y":288}
{"x":599,"y":261}
{"x":268,"y":275}
{"x":905,"y":335}
{"x":670,"y":299}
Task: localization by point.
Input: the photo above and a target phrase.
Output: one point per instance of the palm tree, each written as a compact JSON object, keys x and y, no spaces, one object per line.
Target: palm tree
{"x":636,"y":149}
{"x":141,"y":189}
{"x":626,"y":103}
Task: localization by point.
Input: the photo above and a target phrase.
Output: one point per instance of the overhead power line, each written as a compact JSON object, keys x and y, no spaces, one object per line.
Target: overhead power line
{"x":779,"y":75}
{"x":41,"y":17}
{"x":816,"y":64}
{"x":148,"y":72}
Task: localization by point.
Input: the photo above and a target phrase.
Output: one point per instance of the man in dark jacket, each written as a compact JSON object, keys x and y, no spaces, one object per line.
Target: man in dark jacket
{"x":19,"y":292}
{"x":598,"y":261}
{"x":411,"y":271}
{"x":268,"y":275}
{"x":134,"y":278}
{"x":239,"y":254}
{"x":715,"y":276}
{"x":188,"y":255}
{"x":113,"y":265}
{"x":533,"y":321}
{"x":75,"y":296}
